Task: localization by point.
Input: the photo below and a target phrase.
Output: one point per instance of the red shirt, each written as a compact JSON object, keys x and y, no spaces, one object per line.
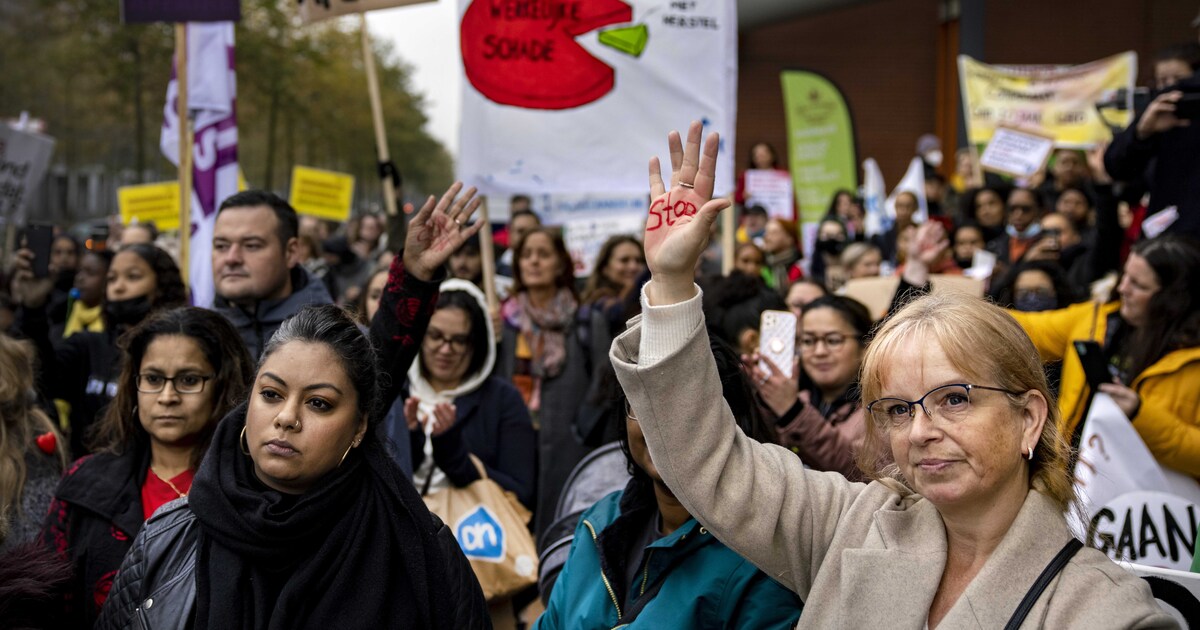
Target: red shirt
{"x":156,"y":492}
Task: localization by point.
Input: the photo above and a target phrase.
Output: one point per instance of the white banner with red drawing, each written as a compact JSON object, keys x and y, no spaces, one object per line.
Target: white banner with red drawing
{"x":575,"y":96}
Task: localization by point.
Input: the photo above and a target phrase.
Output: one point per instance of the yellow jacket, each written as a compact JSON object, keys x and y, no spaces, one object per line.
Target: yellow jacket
{"x":1169,"y":417}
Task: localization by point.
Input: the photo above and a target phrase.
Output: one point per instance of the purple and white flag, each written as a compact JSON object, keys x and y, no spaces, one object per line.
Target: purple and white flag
{"x":212,"y":97}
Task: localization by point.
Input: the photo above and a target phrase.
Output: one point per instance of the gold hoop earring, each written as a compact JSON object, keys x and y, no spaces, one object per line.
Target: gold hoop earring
{"x":343,"y":459}
{"x":243,"y":443}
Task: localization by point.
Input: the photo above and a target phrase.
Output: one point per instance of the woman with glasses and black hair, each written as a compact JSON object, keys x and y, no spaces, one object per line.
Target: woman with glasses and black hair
{"x":818,"y":412}
{"x":181,"y":372}
{"x":455,"y":408}
{"x":639,"y":558}
{"x":970,"y":486}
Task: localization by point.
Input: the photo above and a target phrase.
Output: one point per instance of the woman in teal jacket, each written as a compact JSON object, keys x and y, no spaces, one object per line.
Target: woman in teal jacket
{"x":639,"y":560}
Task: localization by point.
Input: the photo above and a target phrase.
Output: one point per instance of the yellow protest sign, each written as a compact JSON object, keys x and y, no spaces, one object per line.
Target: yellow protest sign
{"x":321,"y":194}
{"x":158,"y":203}
{"x":1056,"y":101}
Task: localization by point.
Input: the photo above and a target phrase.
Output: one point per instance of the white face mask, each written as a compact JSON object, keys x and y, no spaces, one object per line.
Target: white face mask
{"x":934,"y":158}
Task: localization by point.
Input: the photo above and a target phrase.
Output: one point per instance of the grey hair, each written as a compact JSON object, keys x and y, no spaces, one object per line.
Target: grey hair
{"x":334,"y":327}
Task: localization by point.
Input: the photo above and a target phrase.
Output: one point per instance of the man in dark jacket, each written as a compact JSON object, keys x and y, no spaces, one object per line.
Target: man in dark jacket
{"x":255,"y":261}
{"x":1164,"y":133}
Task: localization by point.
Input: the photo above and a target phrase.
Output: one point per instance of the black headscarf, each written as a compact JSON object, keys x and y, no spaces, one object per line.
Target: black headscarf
{"x":357,"y":550}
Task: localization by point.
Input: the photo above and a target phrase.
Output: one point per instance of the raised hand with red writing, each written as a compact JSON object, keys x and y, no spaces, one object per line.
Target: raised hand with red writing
{"x":680,"y":217}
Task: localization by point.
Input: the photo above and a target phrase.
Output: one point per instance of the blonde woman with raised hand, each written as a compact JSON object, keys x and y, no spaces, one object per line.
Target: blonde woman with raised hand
{"x":970,"y":487}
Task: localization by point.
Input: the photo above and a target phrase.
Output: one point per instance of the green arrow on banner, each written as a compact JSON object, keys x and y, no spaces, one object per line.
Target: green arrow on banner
{"x":630,"y":40}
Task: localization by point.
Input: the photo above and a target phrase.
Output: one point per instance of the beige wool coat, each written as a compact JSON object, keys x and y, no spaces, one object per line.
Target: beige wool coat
{"x":859,"y":555}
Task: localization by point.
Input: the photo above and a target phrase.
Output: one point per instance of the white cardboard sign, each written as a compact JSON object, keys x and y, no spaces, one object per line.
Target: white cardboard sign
{"x":772,"y":190}
{"x":1015,"y":152}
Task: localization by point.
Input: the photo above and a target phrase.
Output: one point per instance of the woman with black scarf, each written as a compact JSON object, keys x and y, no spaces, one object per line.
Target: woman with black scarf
{"x":83,"y":368}
{"x":298,"y":518}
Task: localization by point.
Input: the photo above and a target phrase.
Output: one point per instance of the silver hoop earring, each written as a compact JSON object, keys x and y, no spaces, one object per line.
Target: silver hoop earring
{"x":243,"y":443}
{"x":1030,"y":456}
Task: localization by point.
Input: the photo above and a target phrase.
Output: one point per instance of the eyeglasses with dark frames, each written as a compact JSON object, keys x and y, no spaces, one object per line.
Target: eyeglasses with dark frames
{"x":187,"y":383}
{"x":949,"y":403}
{"x":458,"y":343}
{"x":833,"y":341}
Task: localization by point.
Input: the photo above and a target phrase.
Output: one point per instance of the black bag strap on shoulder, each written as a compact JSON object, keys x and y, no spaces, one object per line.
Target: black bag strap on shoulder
{"x":1039,"y":585}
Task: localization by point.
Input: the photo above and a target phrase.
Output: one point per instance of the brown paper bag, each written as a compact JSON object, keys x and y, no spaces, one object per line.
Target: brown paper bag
{"x":490,"y":525}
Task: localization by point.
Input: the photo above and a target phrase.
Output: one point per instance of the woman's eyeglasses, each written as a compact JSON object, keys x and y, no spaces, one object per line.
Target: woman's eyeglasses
{"x":435,"y":338}
{"x":948,"y":403}
{"x":833,"y":341}
{"x":183,"y":383}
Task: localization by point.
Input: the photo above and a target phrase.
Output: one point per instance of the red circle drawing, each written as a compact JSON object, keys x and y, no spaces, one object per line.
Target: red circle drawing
{"x":523,"y":52}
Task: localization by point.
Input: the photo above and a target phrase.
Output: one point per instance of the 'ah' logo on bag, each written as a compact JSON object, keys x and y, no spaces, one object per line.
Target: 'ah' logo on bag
{"x":480,"y":535}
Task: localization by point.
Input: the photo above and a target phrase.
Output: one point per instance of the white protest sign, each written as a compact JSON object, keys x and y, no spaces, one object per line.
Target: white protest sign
{"x":1138,"y":510}
{"x":983,"y":263}
{"x":1178,"y":592}
{"x":772,"y":190}
{"x":913,"y":182}
{"x":1151,"y":528}
{"x":584,"y":237}
{"x":1015,"y":152}
{"x":24,"y":158}
{"x":577,"y":96}
{"x":1157,"y":223}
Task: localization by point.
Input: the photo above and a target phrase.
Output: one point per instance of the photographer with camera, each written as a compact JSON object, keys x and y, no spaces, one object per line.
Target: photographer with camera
{"x":1164,"y":133}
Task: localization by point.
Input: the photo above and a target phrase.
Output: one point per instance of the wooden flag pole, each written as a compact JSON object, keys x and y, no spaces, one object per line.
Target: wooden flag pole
{"x":487,"y":253}
{"x":185,"y":152}
{"x":728,"y":238}
{"x":381,"y":146}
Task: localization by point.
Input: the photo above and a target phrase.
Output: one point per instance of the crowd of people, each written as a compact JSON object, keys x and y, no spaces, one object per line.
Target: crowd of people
{"x":277,"y":458}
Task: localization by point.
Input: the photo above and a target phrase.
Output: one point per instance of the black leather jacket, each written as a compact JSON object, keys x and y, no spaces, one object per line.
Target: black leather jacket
{"x":156,"y":586}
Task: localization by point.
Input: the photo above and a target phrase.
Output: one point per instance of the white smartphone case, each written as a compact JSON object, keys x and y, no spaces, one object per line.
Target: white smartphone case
{"x":777,"y":339}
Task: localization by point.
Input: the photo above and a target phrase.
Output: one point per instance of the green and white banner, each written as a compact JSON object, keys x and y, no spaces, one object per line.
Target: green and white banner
{"x":821,"y":153}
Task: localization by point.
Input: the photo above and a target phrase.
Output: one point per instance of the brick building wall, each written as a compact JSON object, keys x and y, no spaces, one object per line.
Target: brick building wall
{"x":883,"y":55}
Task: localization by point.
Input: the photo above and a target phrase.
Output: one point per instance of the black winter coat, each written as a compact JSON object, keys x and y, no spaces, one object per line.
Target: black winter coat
{"x":94,"y":517}
{"x":1176,"y":177}
{"x":81,"y":369}
{"x":158,"y":580}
